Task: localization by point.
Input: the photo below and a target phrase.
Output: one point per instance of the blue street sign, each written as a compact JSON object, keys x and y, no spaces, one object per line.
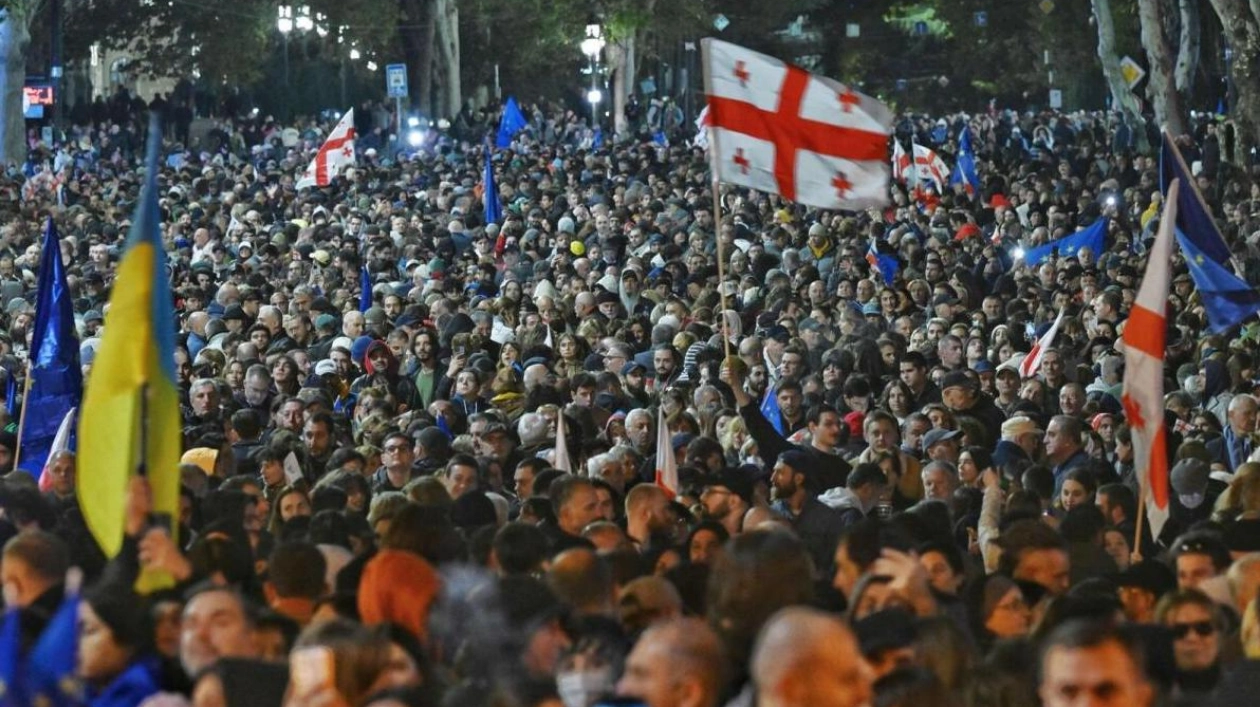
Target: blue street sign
{"x":982,"y":19}
{"x":920,"y":28}
{"x":396,"y":80}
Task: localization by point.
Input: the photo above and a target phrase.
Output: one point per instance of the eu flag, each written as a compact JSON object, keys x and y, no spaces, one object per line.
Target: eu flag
{"x":11,"y":396}
{"x":365,"y":289}
{"x":494,"y":208}
{"x":965,"y":168}
{"x":56,"y":380}
{"x":512,"y":122}
{"x":1227,"y":298}
{"x":130,"y":422}
{"x":1194,"y":221}
{"x":770,"y":409}
{"x":12,"y":683}
{"x":1093,"y":237}
{"x":51,"y":666}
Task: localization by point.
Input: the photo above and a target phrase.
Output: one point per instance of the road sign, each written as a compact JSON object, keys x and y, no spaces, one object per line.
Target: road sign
{"x":1056,"y":98}
{"x":1047,"y":6}
{"x":396,"y":80}
{"x":720,"y":22}
{"x":1132,"y":72}
{"x":982,"y":19}
{"x":853,"y":30}
{"x":920,"y":28}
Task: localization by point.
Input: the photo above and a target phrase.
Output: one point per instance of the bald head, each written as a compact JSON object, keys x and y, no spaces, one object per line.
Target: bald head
{"x":805,"y":657}
{"x":676,"y":663}
{"x":584,"y":580}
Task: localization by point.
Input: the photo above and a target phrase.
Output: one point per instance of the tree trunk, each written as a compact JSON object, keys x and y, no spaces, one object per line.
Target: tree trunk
{"x":1159,"y":84}
{"x":415,"y":33}
{"x":446,"y":19}
{"x":1122,"y":97}
{"x":1242,"y":32}
{"x":1187,"y":48}
{"x":621,"y":58}
{"x":14,"y":40}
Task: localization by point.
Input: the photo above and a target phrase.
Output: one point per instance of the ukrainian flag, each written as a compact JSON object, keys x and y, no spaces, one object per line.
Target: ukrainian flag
{"x":130,"y":421}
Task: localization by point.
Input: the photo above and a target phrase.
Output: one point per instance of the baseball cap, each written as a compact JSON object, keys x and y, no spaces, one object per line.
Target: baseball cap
{"x":957,"y":379}
{"x":733,"y":480}
{"x":631,"y":367}
{"x":325,"y":367}
{"x":936,"y":436}
{"x":1155,"y":577}
{"x":1016,"y":426}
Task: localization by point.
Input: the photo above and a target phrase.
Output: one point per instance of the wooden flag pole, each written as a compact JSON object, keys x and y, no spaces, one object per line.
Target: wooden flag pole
{"x":717,"y":202}
{"x":26,"y":391}
{"x":1141,"y":518}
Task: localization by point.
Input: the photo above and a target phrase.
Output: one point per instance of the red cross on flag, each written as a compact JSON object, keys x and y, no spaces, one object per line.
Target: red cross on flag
{"x":336,"y":153}
{"x":780,"y":129}
{"x":1143,"y":393}
{"x":666,"y":465}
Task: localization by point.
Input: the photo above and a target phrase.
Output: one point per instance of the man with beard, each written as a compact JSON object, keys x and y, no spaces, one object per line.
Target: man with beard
{"x":726,"y":498}
{"x":817,"y":524}
{"x":648,"y":520}
{"x":427,"y":374}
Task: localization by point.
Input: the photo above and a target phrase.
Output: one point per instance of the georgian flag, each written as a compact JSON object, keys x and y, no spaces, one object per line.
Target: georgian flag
{"x":929,"y":167}
{"x":336,"y":154}
{"x":1144,"y":337}
{"x":1032,"y":362}
{"x":781,"y":130}
{"x":666,"y":465}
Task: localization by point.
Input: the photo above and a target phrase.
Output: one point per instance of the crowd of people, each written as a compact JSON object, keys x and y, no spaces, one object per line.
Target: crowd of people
{"x":873,"y":506}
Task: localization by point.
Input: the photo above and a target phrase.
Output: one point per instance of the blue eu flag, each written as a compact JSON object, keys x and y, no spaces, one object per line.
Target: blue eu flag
{"x":365,"y":289}
{"x":494,"y":209}
{"x":12,"y":685}
{"x":1227,"y":298}
{"x":56,"y":383}
{"x":51,"y":667}
{"x":512,"y":122}
{"x":1093,"y":237}
{"x":770,"y":409}
{"x":1194,"y":221}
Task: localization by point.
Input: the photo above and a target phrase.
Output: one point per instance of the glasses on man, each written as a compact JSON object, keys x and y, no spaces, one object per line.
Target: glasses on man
{"x":1203,"y":628}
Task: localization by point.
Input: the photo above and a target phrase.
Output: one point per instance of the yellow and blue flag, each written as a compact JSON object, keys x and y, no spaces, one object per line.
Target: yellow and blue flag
{"x":56,"y":380}
{"x":130,"y":421}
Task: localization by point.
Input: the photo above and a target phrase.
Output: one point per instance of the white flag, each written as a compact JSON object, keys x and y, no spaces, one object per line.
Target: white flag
{"x":782,"y":130}
{"x":1032,"y":362}
{"x":336,"y":153}
{"x":1145,"y":333}
{"x":60,"y":443}
{"x":561,"y":460}
{"x":666,"y":465}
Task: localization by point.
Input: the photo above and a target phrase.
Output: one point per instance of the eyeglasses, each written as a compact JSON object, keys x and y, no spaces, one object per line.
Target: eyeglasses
{"x":395,"y":448}
{"x":1203,"y":628}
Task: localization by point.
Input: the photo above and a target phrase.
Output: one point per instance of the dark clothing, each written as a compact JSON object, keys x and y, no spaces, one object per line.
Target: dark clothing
{"x":930,"y":394}
{"x":831,"y":471}
{"x":819,"y":527}
{"x":989,"y":417}
{"x":381,"y":482}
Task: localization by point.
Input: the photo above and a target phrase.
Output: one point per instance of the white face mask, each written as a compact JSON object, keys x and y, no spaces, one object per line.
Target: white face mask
{"x":1191,"y":500}
{"x":581,"y":688}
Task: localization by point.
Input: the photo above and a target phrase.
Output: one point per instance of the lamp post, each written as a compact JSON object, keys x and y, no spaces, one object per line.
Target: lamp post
{"x":592,"y":45}
{"x":284,"y":23}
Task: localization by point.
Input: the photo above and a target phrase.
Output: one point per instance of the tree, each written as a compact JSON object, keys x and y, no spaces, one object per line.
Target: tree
{"x":15,"y":37}
{"x":1122,"y":97}
{"x":1188,"y":47}
{"x":1240,"y":21}
{"x":1160,"y":85}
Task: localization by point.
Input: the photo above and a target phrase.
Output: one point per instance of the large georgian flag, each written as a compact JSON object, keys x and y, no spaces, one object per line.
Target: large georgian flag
{"x":337,"y":152}
{"x":780,"y":129}
{"x":1144,"y":337}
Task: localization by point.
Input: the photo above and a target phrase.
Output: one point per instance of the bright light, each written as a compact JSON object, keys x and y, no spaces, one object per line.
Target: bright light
{"x":593,"y":44}
{"x":444,"y":124}
{"x":415,"y":138}
{"x":284,"y":19}
{"x":304,"y":22}
{"x":1111,"y":200}
{"x":355,"y":55}
{"x":413,"y":122}
{"x":594,"y":96}
{"x":1019,"y":253}
{"x":371,"y":66}
{"x":253,"y":113}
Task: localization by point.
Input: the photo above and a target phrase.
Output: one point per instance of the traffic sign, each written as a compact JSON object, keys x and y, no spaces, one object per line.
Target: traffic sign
{"x":721,"y":22}
{"x":1132,"y":72}
{"x":982,"y":19}
{"x":396,"y":80}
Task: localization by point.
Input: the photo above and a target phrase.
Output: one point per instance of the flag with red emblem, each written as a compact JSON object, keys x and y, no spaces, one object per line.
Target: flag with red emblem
{"x":336,"y":154}
{"x":782,"y":130}
{"x":1145,"y":333}
{"x":1032,"y":362}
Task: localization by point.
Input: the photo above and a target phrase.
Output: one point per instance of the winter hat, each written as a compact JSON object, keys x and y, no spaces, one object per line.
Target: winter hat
{"x":398,"y":587}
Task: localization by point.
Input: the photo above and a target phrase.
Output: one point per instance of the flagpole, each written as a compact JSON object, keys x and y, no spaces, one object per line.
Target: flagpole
{"x":1141,"y":518}
{"x":26,"y":389}
{"x":714,"y":151}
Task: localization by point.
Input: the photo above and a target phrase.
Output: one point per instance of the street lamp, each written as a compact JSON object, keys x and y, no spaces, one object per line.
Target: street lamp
{"x":284,"y":23}
{"x":304,"y":22}
{"x":592,"y":45}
